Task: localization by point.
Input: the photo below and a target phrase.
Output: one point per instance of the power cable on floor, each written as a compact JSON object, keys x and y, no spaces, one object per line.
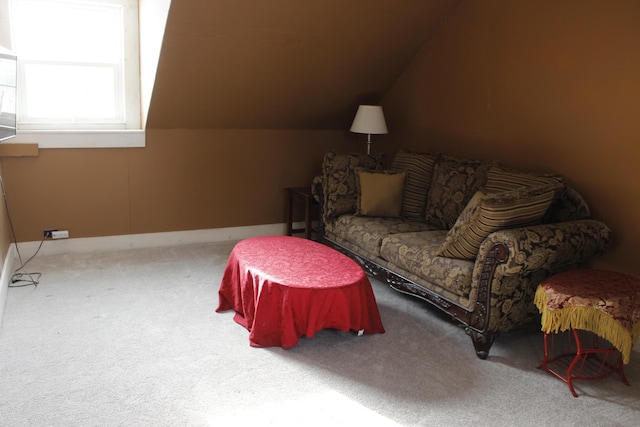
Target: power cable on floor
{"x":20,"y":278}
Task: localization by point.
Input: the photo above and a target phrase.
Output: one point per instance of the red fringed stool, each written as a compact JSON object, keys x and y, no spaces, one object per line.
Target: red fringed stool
{"x":604,"y":303}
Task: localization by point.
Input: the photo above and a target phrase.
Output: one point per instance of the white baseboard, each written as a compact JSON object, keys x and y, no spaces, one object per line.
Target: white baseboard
{"x":136,"y":241}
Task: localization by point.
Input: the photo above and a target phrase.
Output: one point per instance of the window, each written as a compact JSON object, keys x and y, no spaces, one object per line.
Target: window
{"x":77,"y":66}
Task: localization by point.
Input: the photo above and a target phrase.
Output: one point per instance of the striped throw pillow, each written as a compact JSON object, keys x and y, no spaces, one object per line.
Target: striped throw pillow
{"x":419,"y":169}
{"x":500,"y":178}
{"x":489,"y":212}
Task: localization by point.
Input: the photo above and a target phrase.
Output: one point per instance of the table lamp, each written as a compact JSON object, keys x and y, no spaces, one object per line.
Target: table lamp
{"x":370,"y":120}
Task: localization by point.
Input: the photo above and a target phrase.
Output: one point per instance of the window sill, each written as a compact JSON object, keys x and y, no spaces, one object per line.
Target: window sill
{"x":81,"y":138}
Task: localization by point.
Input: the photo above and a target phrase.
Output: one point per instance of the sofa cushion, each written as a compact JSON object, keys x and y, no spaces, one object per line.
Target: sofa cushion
{"x":489,"y":212}
{"x":419,"y":168}
{"x":367,"y":232}
{"x":340,"y":180}
{"x":453,"y":184}
{"x":417,"y":253}
{"x":501,"y":178}
{"x":380,"y":194}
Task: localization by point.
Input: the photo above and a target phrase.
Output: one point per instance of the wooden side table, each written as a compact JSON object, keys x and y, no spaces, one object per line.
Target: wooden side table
{"x":604,"y":303}
{"x":304,"y":195}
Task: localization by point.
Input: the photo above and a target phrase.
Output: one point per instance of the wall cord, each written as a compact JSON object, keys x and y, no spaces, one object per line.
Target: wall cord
{"x":20,"y":278}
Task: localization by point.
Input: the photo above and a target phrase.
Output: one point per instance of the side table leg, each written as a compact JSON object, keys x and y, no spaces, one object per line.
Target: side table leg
{"x":289,"y":213}
{"x":307,"y":218}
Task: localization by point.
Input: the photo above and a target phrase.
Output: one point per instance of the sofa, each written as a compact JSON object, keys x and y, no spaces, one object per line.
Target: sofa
{"x":473,"y":238}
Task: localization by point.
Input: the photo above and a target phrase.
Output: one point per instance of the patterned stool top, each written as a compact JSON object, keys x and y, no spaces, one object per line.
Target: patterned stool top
{"x":604,"y":302}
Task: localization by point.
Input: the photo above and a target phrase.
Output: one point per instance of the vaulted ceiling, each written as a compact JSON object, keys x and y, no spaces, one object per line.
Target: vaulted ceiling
{"x":283,"y":64}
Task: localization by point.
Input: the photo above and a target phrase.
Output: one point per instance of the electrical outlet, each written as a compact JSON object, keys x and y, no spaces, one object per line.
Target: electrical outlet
{"x":62,"y":234}
{"x":47,"y":234}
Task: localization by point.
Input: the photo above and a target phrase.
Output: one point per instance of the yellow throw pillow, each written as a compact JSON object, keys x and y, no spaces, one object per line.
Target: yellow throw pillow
{"x":380,"y":194}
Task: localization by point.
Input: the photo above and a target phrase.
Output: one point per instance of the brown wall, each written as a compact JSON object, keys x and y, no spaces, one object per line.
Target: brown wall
{"x":288,"y":65}
{"x":542,"y":85}
{"x":182,"y":180}
{"x":283,"y":64}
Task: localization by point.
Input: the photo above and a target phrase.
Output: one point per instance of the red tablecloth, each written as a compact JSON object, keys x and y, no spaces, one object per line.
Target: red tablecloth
{"x":282,"y":288}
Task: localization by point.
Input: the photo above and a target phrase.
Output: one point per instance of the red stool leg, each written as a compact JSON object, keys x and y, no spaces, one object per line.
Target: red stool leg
{"x":583,"y":364}
{"x":573,"y":363}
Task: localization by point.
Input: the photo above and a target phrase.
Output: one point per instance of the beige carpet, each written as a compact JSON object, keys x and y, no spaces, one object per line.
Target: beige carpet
{"x":132,"y":339}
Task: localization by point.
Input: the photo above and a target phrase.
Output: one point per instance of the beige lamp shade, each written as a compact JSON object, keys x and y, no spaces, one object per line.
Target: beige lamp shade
{"x":370,"y":120}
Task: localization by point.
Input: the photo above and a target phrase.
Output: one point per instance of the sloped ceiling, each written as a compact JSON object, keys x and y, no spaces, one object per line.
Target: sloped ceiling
{"x":283,"y":64}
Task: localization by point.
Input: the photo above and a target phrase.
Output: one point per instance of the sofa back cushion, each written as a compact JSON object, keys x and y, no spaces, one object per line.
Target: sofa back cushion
{"x":453,"y":184}
{"x":419,"y":169}
{"x":341,"y":188}
{"x":380,"y":193}
{"x":489,"y":212}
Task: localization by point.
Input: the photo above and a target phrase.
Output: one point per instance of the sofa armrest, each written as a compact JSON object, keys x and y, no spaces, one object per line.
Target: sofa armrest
{"x":548,"y":247}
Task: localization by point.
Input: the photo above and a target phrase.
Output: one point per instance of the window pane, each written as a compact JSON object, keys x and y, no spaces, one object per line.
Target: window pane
{"x":77,"y":66}
{"x":63,"y":31}
{"x":70,"y":91}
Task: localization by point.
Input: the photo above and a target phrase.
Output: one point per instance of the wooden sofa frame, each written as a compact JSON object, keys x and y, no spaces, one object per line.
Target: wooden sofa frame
{"x":475,"y":322}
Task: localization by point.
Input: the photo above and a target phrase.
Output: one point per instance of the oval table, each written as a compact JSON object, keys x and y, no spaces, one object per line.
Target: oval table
{"x":283,"y":288}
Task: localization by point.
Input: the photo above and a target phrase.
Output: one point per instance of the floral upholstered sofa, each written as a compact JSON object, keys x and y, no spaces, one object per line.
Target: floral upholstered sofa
{"x":473,"y":238}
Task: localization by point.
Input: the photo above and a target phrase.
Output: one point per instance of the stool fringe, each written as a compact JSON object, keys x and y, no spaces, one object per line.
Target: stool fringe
{"x":588,"y":319}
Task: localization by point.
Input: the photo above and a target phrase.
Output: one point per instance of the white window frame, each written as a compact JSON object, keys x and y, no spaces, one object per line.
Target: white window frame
{"x":96,"y":136}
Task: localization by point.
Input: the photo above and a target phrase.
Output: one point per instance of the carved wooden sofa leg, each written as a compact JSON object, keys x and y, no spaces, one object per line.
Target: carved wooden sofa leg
{"x":482,"y":342}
